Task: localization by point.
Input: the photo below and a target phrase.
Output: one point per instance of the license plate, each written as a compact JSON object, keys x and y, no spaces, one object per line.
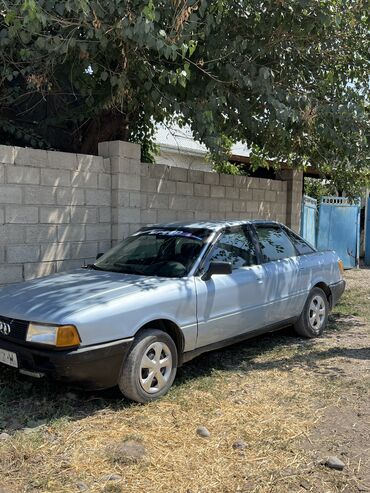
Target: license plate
{"x":8,"y":358}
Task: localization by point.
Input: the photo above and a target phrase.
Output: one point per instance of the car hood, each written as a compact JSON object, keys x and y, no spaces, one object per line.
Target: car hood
{"x":53,"y":298}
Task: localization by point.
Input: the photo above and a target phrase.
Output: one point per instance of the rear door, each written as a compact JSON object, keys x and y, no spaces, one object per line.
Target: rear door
{"x":229,"y":305}
{"x":283,"y":291}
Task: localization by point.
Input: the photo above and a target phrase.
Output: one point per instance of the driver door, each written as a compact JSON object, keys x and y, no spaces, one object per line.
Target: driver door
{"x":229,"y":305}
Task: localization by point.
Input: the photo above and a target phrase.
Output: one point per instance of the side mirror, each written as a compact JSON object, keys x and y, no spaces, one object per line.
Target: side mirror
{"x":217,"y":268}
{"x":99,"y":255}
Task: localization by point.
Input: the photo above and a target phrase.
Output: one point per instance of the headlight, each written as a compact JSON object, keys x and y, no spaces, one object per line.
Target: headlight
{"x":61,"y":336}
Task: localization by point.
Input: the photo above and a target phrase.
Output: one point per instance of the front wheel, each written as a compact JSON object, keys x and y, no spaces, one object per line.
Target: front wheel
{"x":314,"y":316}
{"x":150,"y":368}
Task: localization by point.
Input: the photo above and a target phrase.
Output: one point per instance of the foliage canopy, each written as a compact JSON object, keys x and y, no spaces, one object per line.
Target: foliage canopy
{"x":288,"y":77}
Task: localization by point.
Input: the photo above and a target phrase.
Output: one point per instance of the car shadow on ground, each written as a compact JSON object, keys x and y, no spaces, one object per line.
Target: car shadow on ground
{"x":28,"y":403}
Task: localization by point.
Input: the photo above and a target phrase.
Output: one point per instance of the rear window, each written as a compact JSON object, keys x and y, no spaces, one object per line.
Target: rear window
{"x":301,"y":245}
{"x":275,"y":243}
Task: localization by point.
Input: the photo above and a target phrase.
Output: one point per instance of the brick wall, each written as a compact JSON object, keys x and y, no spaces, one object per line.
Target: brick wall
{"x":58,"y":210}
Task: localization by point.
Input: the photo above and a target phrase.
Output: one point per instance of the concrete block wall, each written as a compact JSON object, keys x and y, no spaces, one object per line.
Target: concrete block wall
{"x":58,"y":210}
{"x":55,"y":211}
{"x":144,"y":193}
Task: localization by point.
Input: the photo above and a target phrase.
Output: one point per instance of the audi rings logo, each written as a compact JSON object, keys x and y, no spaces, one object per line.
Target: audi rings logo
{"x":4,"y":328}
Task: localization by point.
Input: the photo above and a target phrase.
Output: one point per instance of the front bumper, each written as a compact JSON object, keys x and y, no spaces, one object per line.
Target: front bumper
{"x":92,"y":368}
{"x":337,"y":290}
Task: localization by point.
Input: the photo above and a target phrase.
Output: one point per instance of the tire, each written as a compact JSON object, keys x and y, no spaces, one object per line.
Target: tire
{"x":314,"y":316}
{"x":141,"y":383}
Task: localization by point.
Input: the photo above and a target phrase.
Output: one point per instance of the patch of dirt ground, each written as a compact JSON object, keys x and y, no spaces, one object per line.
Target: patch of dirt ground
{"x":289,"y":401}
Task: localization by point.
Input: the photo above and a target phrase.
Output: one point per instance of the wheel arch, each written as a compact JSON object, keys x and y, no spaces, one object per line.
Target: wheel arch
{"x":322,"y":285}
{"x":171,"y":328}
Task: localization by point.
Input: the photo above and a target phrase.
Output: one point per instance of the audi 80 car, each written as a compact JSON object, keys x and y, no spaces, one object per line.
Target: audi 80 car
{"x":163,"y":296}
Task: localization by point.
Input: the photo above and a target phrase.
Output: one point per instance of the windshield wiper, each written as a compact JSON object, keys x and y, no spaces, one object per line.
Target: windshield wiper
{"x":92,"y":266}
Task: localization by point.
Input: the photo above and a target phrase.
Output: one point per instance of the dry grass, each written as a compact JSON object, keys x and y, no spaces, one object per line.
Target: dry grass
{"x":267,"y":392}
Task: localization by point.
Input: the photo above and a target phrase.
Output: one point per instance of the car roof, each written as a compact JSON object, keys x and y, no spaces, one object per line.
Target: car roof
{"x":211,"y":225}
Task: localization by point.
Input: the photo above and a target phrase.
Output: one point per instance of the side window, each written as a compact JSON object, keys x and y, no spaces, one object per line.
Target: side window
{"x":275,"y":243}
{"x":302,"y":246}
{"x":235,"y":247}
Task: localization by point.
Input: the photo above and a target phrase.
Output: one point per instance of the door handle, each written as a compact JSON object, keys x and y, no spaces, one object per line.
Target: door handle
{"x":259,"y":280}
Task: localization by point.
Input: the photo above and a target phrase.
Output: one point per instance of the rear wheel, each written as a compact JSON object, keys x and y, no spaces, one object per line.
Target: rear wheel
{"x":150,"y":368}
{"x":314,"y":316}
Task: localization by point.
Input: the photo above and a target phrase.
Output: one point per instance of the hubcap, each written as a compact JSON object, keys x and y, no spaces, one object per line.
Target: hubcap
{"x":155,"y":367}
{"x":316,"y":313}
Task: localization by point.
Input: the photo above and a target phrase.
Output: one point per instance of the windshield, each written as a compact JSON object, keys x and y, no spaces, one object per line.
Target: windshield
{"x":159,"y":252}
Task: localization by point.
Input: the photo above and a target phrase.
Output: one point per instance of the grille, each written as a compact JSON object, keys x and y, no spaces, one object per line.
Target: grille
{"x":18,"y":328}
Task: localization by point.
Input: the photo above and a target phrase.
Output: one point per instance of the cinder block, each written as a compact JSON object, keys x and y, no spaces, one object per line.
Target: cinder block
{"x":11,"y":233}
{"x":2,"y":215}
{"x":157,"y":201}
{"x":202,"y":215}
{"x":144,"y":169}
{"x":149,"y":216}
{"x":7,"y":154}
{"x":66,"y":265}
{"x":84,"y":180}
{"x":195,"y":176}
{"x":135,"y":199}
{"x":98,"y":197}
{"x":70,"y":196}
{"x":62,"y":160}
{"x":71,"y":232}
{"x":246,"y":194}
{"x":183,"y":188}
{"x":232,"y":192}
{"x":185,"y":216}
{"x":166,"y":216}
{"x":83,"y":215}
{"x":23,"y":175}
{"x":159,"y":171}
{"x":258,"y":195}
{"x":55,"y":177}
{"x":121,"y":199}
{"x":85,"y":250}
{"x":165,"y":186}
{"x":195,"y":204}
{"x":103,"y":149}
{"x":98,"y":231}
{"x":30,"y":157}
{"x":178,"y":202}
{"x":211,"y":178}
{"x":104,"y":181}
{"x":241,"y":181}
{"x":125,"y":149}
{"x":149,"y":184}
{"x":270,"y":196}
{"x":55,"y":251}
{"x":105,"y":214}
{"x":10,"y":273}
{"x":17,"y":254}
{"x":104,"y":246}
{"x":178,"y":174}
{"x":10,"y":194}
{"x":240,"y":206}
{"x":95,"y":164}
{"x":126,"y":182}
{"x":38,"y":269}
{"x":130,"y":216}
{"x":225,"y":205}
{"x":39,"y":195}
{"x":39,"y":233}
{"x":217,"y":191}
{"x":227,"y":180}
{"x":202,"y":190}
{"x":54,"y":215}
{"x":21,"y":214}
{"x":2,"y":173}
